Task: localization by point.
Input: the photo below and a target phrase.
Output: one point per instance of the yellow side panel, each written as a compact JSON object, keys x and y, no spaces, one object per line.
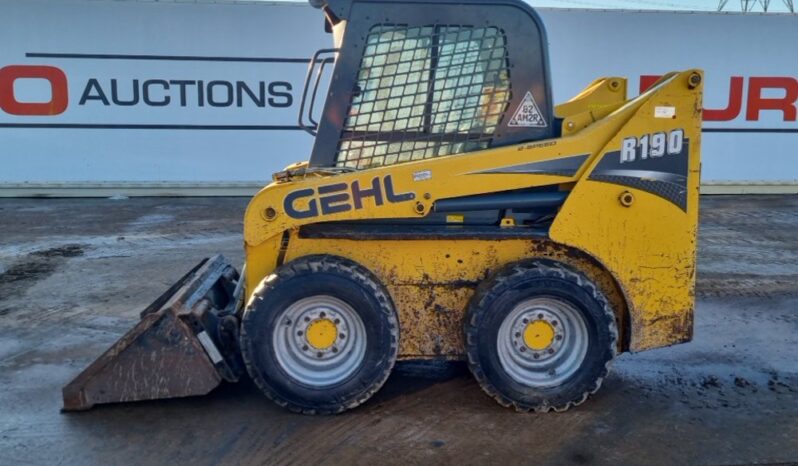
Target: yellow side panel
{"x":650,"y":246}
{"x":432,"y":281}
{"x":261,"y":262}
{"x":431,"y":319}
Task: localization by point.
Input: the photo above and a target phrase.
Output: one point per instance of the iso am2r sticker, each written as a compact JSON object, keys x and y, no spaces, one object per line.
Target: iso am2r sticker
{"x":528,"y":114}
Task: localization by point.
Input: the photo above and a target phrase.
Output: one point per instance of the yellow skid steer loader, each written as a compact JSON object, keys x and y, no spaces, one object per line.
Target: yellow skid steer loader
{"x":448,"y":211}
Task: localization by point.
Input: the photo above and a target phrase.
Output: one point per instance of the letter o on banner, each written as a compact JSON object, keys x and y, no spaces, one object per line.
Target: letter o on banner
{"x":58,"y":84}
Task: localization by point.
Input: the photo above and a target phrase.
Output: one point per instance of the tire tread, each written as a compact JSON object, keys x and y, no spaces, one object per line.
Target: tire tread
{"x":503,"y":280}
{"x":319,"y":264}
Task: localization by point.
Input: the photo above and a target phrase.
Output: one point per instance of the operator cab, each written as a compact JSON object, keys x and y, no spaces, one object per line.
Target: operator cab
{"x":414,"y":81}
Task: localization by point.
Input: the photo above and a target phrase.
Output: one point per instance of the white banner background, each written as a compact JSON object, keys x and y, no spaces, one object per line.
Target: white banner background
{"x":242,"y":145}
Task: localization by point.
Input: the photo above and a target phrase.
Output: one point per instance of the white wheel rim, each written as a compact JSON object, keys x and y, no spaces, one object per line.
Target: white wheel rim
{"x":319,"y":367}
{"x":554,"y":364}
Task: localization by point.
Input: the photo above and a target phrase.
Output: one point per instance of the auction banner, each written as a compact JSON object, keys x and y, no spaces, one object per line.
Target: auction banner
{"x":193,"y":95}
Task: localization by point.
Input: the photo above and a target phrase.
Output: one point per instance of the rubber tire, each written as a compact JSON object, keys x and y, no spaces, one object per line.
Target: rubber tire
{"x":309,"y":276}
{"x":495,"y":298}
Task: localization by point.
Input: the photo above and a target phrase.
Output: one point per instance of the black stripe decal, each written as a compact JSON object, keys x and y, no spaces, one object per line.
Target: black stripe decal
{"x":563,"y":166}
{"x":665,"y":176}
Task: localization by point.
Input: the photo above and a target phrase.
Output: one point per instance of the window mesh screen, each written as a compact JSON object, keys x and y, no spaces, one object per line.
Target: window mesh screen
{"x":424,"y":92}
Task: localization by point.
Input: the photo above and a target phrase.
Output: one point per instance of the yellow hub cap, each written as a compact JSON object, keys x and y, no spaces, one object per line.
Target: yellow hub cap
{"x":538,"y":335}
{"x":321,"y":333}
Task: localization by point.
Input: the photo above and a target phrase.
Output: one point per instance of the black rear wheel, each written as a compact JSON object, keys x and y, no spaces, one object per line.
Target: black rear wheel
{"x":540,"y":336}
{"x":320,"y":335}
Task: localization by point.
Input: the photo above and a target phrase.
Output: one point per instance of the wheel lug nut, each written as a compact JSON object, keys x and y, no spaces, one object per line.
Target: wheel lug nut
{"x":342,"y":336}
{"x":305,"y":348}
{"x":337,"y":321}
{"x":526,"y":321}
{"x":320,"y":354}
{"x":536,"y":356}
{"x":518,"y":334}
{"x":551,"y":350}
{"x":322,"y":314}
{"x":299,"y":333}
{"x":307,"y":319}
{"x":334,"y":350}
{"x":540,"y":316}
{"x":559,"y":337}
{"x":288,"y":322}
{"x":553,"y":323}
{"x":523,"y":349}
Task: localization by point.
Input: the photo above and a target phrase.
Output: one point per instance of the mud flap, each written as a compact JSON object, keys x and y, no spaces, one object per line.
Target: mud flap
{"x":185,"y":344}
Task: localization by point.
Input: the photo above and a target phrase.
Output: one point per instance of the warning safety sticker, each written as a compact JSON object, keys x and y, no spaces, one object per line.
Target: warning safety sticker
{"x":528,"y":114}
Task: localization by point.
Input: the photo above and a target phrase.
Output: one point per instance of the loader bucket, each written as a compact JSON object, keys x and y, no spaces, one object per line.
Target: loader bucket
{"x":185,"y":344}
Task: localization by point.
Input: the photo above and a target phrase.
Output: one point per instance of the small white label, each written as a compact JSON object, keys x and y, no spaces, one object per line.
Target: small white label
{"x":528,"y":114}
{"x":422,"y":175}
{"x":210,"y":348}
{"x":664,"y":112}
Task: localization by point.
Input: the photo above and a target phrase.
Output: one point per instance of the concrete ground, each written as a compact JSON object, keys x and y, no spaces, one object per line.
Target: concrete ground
{"x":75,"y":273}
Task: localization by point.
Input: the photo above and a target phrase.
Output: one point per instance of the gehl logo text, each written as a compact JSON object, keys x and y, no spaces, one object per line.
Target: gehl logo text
{"x":341,"y":197}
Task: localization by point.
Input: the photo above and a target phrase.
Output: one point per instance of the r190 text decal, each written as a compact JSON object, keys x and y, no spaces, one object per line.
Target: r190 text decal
{"x":655,"y":162}
{"x":652,"y":145}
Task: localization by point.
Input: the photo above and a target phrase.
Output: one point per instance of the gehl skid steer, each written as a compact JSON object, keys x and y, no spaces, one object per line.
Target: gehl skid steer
{"x":448,"y":211}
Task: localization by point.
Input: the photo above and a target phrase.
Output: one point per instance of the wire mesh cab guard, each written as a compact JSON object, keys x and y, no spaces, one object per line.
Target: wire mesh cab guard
{"x":414,"y":80}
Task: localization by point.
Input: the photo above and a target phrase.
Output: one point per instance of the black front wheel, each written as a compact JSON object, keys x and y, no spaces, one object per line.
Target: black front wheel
{"x":320,"y":335}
